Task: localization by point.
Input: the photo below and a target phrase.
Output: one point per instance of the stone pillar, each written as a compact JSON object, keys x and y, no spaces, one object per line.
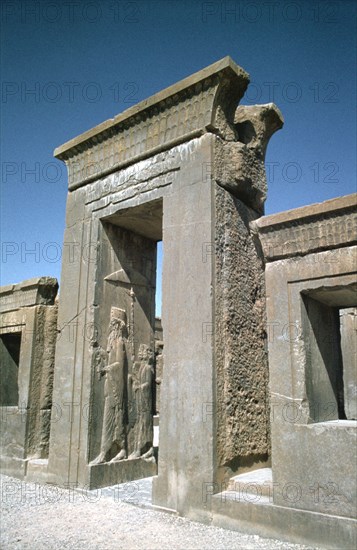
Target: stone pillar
{"x":186,"y":458}
{"x":241,"y":369}
{"x":72,"y":382}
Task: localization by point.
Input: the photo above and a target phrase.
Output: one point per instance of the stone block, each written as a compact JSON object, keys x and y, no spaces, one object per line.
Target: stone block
{"x":105,"y":475}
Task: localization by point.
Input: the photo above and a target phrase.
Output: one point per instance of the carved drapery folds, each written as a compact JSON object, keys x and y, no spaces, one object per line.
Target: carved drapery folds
{"x":113,"y":370}
{"x":141,"y":390}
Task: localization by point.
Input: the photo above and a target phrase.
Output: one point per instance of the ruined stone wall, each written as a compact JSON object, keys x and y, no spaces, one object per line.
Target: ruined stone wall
{"x":28,"y":315}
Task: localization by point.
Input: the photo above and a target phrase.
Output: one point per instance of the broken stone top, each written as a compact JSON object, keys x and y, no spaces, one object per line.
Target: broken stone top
{"x":204,"y":102}
{"x":37,"y":291}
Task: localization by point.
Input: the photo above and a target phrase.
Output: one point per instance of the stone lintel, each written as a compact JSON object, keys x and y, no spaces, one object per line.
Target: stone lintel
{"x":32,"y":292}
{"x":321,"y":226}
{"x":203,"y":102}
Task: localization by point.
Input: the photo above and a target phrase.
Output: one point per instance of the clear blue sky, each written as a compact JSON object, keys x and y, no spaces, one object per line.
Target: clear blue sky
{"x":67,"y":66}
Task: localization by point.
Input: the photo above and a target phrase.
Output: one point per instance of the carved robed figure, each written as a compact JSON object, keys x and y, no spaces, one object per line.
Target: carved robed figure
{"x":113,"y":430}
{"x":142,"y":387}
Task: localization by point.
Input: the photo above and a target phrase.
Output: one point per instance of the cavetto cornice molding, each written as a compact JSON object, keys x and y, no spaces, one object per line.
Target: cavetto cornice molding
{"x":203,"y":102}
{"x":317,"y":227}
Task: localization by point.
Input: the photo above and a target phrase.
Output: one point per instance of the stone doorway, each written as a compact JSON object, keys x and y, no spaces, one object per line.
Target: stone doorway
{"x":10,"y":344}
{"x":126,"y":281}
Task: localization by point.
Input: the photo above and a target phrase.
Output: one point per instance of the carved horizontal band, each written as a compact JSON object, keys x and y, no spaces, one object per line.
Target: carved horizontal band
{"x":185,"y":110}
{"x":307,"y":230}
{"x":40,"y":290}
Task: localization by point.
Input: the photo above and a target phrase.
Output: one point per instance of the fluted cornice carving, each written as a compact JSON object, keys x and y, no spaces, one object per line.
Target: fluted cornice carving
{"x":323,"y":226}
{"x":203,"y":102}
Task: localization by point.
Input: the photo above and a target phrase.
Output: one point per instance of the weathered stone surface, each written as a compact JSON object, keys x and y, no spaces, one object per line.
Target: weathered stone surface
{"x":306,"y":481}
{"x":256,"y":124}
{"x":135,"y":255}
{"x":28,"y":332}
{"x":121,"y":268}
{"x":240,"y":339}
{"x":42,"y":382}
{"x":73,"y":346}
{"x":239,"y":164}
{"x":40,"y":290}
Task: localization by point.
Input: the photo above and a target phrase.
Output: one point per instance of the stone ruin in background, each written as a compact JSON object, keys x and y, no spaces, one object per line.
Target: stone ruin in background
{"x":245,"y":442}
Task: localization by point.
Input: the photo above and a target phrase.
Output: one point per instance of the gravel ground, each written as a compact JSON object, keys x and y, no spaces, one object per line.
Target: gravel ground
{"x":35,"y":516}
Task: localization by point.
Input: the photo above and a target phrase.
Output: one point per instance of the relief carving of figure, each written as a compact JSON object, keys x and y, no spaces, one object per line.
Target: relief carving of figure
{"x":141,"y":380}
{"x":113,"y":430}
